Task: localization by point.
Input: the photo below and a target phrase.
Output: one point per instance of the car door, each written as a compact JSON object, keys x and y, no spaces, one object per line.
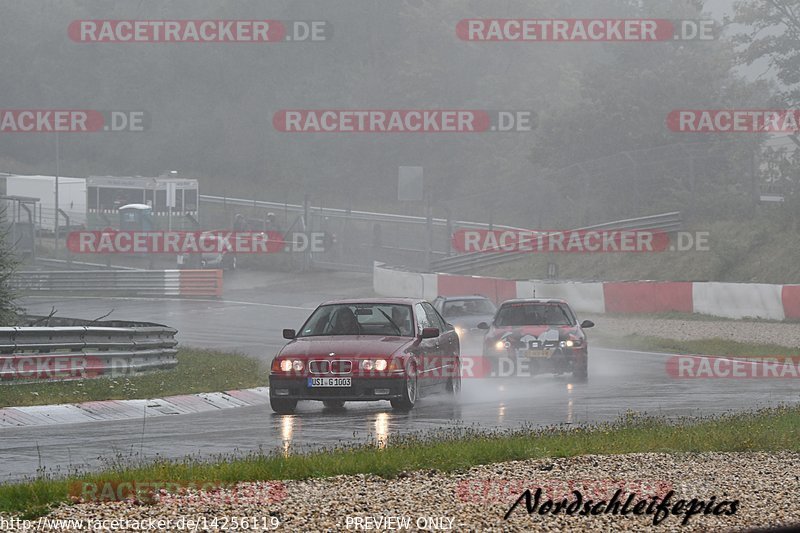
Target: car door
{"x":429,"y":350}
{"x":442,"y":364}
{"x":450,"y":341}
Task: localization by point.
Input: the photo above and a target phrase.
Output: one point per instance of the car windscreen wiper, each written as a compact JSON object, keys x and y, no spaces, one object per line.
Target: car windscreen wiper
{"x":396,"y":327}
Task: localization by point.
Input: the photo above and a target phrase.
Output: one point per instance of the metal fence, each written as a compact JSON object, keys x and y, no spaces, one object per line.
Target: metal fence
{"x":361,"y":237}
{"x":69,"y":349}
{"x":464,"y":263}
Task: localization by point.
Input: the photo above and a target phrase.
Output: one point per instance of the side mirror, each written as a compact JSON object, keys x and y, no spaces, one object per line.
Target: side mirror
{"x":430,"y":333}
{"x":586,"y":324}
{"x":289,"y":334}
{"x":483,"y":325}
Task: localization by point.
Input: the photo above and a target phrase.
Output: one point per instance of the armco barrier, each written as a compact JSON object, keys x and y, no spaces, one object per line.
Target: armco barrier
{"x":71,"y":352}
{"x":154,"y":283}
{"x":731,"y":300}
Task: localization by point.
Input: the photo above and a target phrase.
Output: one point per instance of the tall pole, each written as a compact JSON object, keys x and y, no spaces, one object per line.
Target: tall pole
{"x":429,"y":231}
{"x":58,"y":170}
{"x":306,"y":262}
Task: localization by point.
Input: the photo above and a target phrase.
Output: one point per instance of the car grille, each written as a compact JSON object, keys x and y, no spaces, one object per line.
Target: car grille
{"x":341,"y":367}
{"x":319,"y":367}
{"x":337,"y":367}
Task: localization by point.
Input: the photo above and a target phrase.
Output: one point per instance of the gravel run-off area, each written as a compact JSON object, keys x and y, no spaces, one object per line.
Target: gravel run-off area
{"x":753,"y":332}
{"x":764,"y":486}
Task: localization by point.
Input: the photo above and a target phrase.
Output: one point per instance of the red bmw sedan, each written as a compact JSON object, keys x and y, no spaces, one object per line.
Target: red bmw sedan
{"x":395,"y":349}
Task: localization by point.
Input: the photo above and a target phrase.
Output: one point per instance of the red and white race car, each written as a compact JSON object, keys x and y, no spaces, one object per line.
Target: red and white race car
{"x":534,"y":336}
{"x":394,"y":349}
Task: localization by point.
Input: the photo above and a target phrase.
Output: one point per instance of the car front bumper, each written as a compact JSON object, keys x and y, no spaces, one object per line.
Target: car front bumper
{"x":517,"y":363}
{"x":360,"y":390}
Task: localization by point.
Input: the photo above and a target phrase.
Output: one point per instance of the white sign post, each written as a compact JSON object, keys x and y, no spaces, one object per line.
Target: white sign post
{"x":172,"y":190}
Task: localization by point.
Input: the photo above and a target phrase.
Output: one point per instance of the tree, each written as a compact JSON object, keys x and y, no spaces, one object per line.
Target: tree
{"x":611,"y":153}
{"x":772,"y":33}
{"x":8,"y":265}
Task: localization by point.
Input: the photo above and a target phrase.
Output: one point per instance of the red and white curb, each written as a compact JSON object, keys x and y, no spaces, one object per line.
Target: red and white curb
{"x":109,"y":410}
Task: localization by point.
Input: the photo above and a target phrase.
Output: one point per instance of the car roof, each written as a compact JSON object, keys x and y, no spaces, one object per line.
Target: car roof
{"x":396,"y":301}
{"x":535,"y":301}
{"x":465,"y":297}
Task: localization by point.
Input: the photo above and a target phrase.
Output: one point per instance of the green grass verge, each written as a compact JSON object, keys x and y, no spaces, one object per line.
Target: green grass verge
{"x":445,"y":450}
{"x":715,"y":346}
{"x":197,"y":371}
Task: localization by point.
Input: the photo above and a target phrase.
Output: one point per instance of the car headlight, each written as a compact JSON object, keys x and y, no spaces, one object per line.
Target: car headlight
{"x":374,"y":364}
{"x":297,"y":366}
{"x":502,"y":345}
{"x":286,"y":365}
{"x":570,"y":343}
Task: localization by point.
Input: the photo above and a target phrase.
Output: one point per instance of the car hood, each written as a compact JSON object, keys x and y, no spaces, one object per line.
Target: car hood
{"x":346,"y":345}
{"x":470,"y":321}
{"x":517,"y":332}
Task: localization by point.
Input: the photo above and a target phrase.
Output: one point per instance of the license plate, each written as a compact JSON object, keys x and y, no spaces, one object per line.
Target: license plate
{"x":329,"y":382}
{"x":537,"y":354}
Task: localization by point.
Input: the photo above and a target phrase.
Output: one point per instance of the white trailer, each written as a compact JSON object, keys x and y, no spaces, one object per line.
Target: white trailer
{"x":71,"y":197}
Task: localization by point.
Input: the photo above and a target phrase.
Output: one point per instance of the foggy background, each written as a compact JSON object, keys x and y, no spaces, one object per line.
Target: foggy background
{"x":211,"y":108}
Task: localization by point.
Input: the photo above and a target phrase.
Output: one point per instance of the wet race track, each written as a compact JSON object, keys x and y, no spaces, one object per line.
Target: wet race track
{"x":250,"y":319}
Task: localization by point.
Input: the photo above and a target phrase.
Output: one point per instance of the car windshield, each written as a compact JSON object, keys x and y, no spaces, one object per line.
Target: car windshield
{"x":455,"y":308}
{"x":359,"y":319}
{"x":534,"y":314}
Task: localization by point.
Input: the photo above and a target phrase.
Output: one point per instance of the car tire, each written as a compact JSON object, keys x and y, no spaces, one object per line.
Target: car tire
{"x":454,"y":387}
{"x":410,"y":390}
{"x":333,"y":404}
{"x":283,"y":406}
{"x":454,"y":384}
{"x":581,"y":370}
